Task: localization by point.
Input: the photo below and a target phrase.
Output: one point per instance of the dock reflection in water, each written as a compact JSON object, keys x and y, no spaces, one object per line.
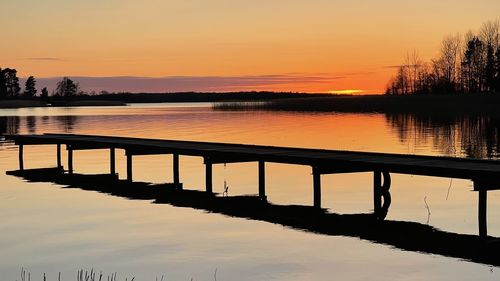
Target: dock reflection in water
{"x":409,"y":236}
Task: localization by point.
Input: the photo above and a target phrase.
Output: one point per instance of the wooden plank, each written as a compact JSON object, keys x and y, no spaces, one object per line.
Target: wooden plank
{"x":233,"y":158}
{"x":90,"y":146}
{"x":148,"y":151}
{"x":343,"y":169}
{"x":27,"y":141}
{"x":486,"y":184}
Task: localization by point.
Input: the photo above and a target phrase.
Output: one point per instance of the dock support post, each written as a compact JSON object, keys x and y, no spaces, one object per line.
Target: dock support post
{"x":70,"y":159}
{"x":317,"y":188}
{"x":59,"y":162}
{"x":208,"y":175}
{"x":129,"y":167}
{"x":262,"y":181}
{"x":21,"y":159}
{"x":112,"y":161}
{"x":381,"y":190}
{"x":176,"y":170}
{"x":483,"y":231}
{"x":377,"y":198}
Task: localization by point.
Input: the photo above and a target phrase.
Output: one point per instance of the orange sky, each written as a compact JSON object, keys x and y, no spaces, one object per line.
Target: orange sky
{"x":348,"y":43}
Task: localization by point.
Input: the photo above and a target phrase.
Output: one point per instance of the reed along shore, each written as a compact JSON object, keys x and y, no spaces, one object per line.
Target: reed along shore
{"x":428,"y":104}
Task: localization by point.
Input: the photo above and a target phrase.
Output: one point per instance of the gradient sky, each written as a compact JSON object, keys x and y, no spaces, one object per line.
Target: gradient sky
{"x":307,"y":45}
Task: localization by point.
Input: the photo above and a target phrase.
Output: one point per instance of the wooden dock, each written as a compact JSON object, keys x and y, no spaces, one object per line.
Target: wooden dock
{"x":485,"y":174}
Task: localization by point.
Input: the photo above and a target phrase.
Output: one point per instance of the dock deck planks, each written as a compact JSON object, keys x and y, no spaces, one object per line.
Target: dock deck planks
{"x":397,"y":163}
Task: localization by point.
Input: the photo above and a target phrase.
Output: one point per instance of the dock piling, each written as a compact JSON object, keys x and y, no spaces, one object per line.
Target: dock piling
{"x":176,"y":170}
{"x":482,"y":206}
{"x":129,"y":167}
{"x":208,"y":175}
{"x":59,"y":162}
{"x":262,"y":181}
{"x":377,"y":199}
{"x":112,"y":161}
{"x":21,"y":158}
{"x":317,"y":188}
{"x":381,"y":191}
{"x":70,"y":159}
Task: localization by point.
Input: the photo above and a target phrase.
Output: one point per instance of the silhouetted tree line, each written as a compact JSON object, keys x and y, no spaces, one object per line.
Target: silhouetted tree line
{"x":466,"y":64}
{"x":9,"y":86}
{"x":9,"y":83}
{"x":67,"y":88}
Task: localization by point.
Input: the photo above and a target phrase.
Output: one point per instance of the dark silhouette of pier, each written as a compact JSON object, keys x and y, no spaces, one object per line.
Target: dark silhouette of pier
{"x":410,"y":236}
{"x":484,"y":173}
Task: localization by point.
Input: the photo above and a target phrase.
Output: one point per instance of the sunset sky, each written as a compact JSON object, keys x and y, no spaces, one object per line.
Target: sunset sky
{"x":227,"y":45}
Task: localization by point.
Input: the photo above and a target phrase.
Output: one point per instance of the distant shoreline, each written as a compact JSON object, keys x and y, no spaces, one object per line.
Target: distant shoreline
{"x":12,"y":104}
{"x":121,"y":99}
{"x":472,"y":104}
{"x":5,"y":104}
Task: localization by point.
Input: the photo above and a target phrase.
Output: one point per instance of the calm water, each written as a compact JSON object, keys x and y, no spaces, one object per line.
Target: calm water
{"x":48,"y":229}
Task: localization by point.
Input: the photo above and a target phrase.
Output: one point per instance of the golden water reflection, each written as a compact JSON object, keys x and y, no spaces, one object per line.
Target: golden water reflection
{"x":47,"y":228}
{"x":465,"y":136}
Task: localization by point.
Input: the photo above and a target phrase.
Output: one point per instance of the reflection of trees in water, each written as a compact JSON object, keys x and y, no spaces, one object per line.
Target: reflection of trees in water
{"x":31,"y":124}
{"x":34,"y":124}
{"x":9,"y":124}
{"x":67,"y":123}
{"x":471,"y":136}
{"x":45,"y":120}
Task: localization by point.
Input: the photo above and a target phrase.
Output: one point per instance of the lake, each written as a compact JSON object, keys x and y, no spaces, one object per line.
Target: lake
{"x":45,"y":228}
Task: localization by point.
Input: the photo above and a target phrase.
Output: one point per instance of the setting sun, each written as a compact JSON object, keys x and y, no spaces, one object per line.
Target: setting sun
{"x":346,"y":92}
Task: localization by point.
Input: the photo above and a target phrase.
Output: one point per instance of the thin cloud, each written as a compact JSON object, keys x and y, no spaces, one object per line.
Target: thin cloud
{"x":193,"y":83}
{"x":360,"y":73}
{"x":43,"y":59}
{"x":338,"y":75}
{"x":401,"y":65}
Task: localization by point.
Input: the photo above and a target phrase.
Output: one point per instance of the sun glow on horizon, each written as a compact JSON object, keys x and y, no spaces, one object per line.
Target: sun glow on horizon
{"x":347,"y":92}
